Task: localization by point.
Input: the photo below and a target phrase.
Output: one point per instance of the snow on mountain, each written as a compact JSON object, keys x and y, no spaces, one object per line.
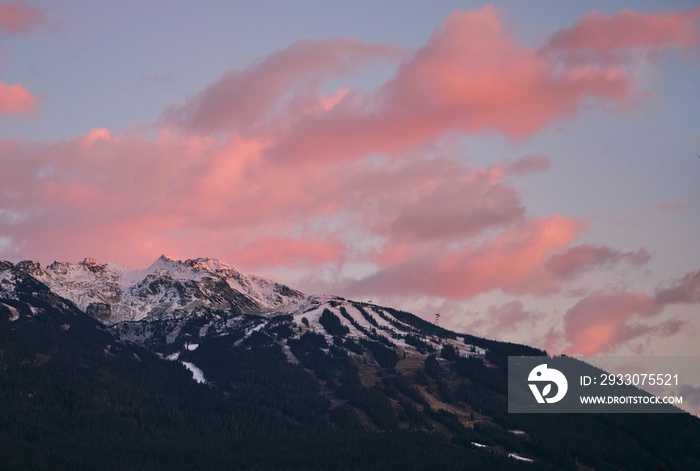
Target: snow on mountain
{"x":6,"y":279}
{"x":172,"y":303}
{"x":197,"y":374}
{"x":167,"y":288}
{"x":377,"y":323}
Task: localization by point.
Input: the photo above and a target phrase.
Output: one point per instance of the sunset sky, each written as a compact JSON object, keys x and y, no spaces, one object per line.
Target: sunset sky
{"x":529,"y":170}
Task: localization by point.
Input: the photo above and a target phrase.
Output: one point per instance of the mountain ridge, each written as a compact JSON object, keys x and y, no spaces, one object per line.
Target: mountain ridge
{"x":132,"y":293}
{"x":216,"y":294}
{"x":265,"y":379}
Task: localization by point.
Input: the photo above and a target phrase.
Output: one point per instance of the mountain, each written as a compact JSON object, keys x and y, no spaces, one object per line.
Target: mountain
{"x":173,"y":302}
{"x":195,"y":365}
{"x":166,"y":289}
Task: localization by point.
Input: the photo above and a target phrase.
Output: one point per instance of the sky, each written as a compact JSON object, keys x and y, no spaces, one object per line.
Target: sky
{"x":528,"y":170}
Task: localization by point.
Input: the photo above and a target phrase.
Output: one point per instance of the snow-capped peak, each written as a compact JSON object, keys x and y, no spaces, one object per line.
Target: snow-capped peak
{"x":164,"y":263}
{"x":189,"y":269}
{"x":168,"y":287}
{"x":202,"y":297}
{"x":90,"y":262}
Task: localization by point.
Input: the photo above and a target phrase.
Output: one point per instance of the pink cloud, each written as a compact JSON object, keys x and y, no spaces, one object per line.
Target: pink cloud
{"x":98,"y":192}
{"x":189,"y":196}
{"x":524,"y":258}
{"x":670,"y":207}
{"x":685,"y":290}
{"x":206,"y":185}
{"x":470,"y":77}
{"x":599,"y":322}
{"x":126,"y":198}
{"x":459,"y":207}
{"x":504,"y":318}
{"x":513,"y":262}
{"x":242,"y":99}
{"x":602,"y":322}
{"x":17,"y":17}
{"x":393,"y":254}
{"x":276,"y":252}
{"x":529,"y":163}
{"x":16,"y":99}
{"x":509,"y":315}
{"x":629,"y":29}
{"x":582,"y":258}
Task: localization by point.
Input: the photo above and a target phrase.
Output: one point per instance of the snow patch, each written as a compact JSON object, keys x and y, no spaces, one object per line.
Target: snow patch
{"x":14,"y":313}
{"x":516,"y":456}
{"x":203,"y":331}
{"x":197,"y":374}
{"x":290,"y":356}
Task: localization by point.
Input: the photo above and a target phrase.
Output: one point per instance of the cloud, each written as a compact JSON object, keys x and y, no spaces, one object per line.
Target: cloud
{"x":18,"y":18}
{"x":275,"y":252}
{"x":629,"y":29}
{"x":691,"y":395}
{"x":600,"y":322}
{"x":505,"y":318}
{"x":670,"y":207}
{"x":189,"y":195}
{"x":462,"y":206}
{"x":125,"y":198}
{"x":552,"y":341}
{"x":99,"y":193}
{"x":582,"y":258}
{"x":471,"y":77}
{"x":525,"y":257}
{"x":213,"y":180}
{"x":241,"y":99}
{"x":16,"y":99}
{"x":685,"y":290}
{"x":513,"y":262}
{"x":430,"y":226}
{"x":603,"y":321}
{"x":529,"y":163}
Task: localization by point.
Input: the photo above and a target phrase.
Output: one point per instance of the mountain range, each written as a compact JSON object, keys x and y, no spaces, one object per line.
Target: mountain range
{"x":195,"y":365}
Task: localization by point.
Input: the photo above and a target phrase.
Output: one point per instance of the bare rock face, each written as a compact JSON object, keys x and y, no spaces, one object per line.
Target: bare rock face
{"x":100,"y":311}
{"x":29,"y":266}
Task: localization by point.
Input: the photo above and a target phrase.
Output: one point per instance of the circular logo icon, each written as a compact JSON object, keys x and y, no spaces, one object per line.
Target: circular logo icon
{"x":547,"y":376}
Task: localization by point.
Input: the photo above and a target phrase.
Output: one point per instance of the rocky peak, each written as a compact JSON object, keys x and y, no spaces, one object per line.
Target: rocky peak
{"x":90,"y":262}
{"x":28,"y":266}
